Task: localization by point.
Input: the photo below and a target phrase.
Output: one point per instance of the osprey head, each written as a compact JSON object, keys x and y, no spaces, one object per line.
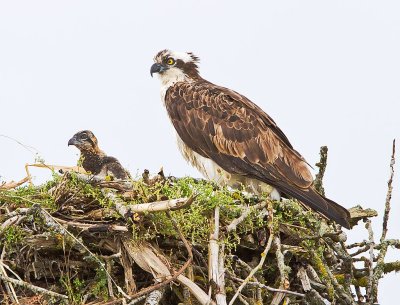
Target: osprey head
{"x":175,"y":65}
{"x":84,"y":140}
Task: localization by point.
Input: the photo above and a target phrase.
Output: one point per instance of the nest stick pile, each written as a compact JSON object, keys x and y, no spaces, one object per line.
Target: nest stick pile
{"x":84,"y":240}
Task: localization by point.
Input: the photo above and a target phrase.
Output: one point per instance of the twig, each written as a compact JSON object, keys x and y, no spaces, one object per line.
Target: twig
{"x":53,"y":223}
{"x":378,"y":270}
{"x":167,"y":205}
{"x":369,"y":290}
{"x":361,"y":250}
{"x":159,"y":206}
{"x":260,"y":264}
{"x":343,"y":294}
{"x":263,"y":254}
{"x":10,"y":222}
{"x":99,"y":180}
{"x":257,"y":284}
{"x":137,"y":300}
{"x":360,"y":244}
{"x":108,"y":263}
{"x":359,"y":295}
{"x":215,"y":271}
{"x":242,"y":263}
{"x":303,"y":277}
{"x":389,"y":193}
{"x":32,"y":287}
{"x":283,"y":283}
{"x":154,"y":297}
{"x":179,"y":272}
{"x":313,"y":297}
{"x":93,"y":227}
{"x":9,"y":286}
{"x":52,"y":168}
{"x":246,"y":211}
{"x":130,"y":283}
{"x":13,"y":184}
{"x":221,"y":294}
{"x":347,"y":265}
{"x":323,"y":152}
{"x":31,"y":149}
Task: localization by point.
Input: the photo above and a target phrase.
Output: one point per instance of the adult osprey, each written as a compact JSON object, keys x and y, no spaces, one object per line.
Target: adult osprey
{"x":231,"y":140}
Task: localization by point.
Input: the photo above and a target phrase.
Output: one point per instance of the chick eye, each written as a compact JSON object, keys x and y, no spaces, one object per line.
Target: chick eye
{"x":84,"y":137}
{"x":170,"y":61}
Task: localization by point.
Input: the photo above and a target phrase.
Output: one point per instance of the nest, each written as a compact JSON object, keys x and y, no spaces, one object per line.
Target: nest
{"x":80,"y":240}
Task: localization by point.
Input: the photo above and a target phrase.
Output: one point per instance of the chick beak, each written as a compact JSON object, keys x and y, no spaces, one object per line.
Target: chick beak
{"x":73,"y":141}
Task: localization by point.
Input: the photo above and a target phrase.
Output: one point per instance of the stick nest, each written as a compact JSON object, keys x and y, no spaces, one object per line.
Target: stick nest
{"x":76,"y":240}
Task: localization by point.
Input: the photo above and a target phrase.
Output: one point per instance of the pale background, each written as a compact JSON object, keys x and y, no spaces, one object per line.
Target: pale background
{"x":327,"y":72}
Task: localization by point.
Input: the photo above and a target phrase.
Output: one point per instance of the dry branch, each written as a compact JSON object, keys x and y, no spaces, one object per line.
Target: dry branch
{"x":245,"y":213}
{"x":13,"y":184}
{"x":160,"y":206}
{"x":323,"y":152}
{"x":284,"y":281}
{"x":31,"y":287}
{"x":379,"y":268}
{"x":260,"y":264}
{"x":389,"y":193}
{"x":8,"y":284}
{"x":154,"y":297}
{"x":268,"y":288}
{"x":216,"y":272}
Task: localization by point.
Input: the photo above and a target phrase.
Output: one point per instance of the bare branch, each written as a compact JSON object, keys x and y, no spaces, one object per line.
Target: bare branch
{"x":257,"y":284}
{"x":246,"y":211}
{"x":31,"y":287}
{"x":154,"y":297}
{"x":260,"y":264}
{"x":379,"y":268}
{"x":370,"y":266}
{"x":323,"y":152}
{"x":216,"y":272}
{"x":177,"y":274}
{"x":284,"y":282}
{"x":389,"y":193}
{"x":13,"y":184}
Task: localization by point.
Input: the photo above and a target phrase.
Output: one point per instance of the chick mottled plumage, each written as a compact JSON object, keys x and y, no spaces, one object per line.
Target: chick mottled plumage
{"x":94,"y":160}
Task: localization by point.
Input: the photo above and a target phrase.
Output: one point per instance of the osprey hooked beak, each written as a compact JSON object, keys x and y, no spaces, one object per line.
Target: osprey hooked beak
{"x":157,"y":68}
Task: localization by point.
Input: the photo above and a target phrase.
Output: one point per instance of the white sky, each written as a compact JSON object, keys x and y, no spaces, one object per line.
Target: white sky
{"x":327,"y":72}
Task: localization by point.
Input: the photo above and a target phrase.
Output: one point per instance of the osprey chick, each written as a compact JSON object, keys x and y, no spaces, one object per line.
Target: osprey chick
{"x":95,"y":160}
{"x":231,"y":140}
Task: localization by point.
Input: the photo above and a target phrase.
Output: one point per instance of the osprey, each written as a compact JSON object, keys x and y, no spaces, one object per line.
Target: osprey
{"x":94,"y":160}
{"x":231,"y":140}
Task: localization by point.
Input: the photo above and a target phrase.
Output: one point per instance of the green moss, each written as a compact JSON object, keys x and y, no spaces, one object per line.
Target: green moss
{"x":26,"y":196}
{"x":195,"y":220}
{"x":81,"y":188}
{"x":322,"y":271}
{"x":362,"y":282}
{"x":291,"y":212}
{"x":100,"y":289}
{"x":13,"y":236}
{"x":390,"y":267}
{"x":74,"y":289}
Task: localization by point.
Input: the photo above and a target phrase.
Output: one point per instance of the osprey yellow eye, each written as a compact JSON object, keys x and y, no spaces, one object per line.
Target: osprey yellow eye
{"x":170,"y":61}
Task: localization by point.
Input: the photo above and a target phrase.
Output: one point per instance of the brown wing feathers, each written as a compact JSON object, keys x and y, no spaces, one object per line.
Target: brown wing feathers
{"x":226,"y":127}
